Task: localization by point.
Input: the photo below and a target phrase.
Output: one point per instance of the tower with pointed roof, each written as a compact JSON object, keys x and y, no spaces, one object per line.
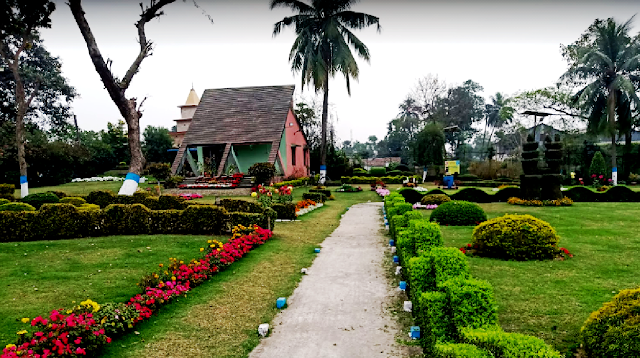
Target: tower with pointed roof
{"x":187,"y":110}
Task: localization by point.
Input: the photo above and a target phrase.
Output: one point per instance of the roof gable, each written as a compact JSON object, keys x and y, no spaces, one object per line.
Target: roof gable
{"x":240,"y":115}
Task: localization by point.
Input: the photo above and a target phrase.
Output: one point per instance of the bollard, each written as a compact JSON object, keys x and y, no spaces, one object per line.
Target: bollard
{"x":281,"y":302}
{"x":303,"y":271}
{"x":403,"y":285}
{"x":415,"y":332}
{"x":398,"y":270}
{"x":392,"y":242}
{"x":396,"y":259}
{"x":408,"y":306}
{"x":316,"y":250}
{"x":263,"y":329}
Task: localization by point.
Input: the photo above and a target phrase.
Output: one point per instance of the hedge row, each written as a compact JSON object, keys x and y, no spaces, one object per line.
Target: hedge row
{"x":104,"y":198}
{"x":294,"y":183}
{"x":65,"y":221}
{"x":317,"y":197}
{"x":372,"y":180}
{"x":447,"y":302}
{"x":577,"y":194}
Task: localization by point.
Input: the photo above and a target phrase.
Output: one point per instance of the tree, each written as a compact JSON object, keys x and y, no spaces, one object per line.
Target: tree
{"x":157,"y":142}
{"x":427,"y":93}
{"x":429,"y":145}
{"x":20,"y":22}
{"x":321,"y":48}
{"x":597,"y":167}
{"x":128,"y":107}
{"x":497,"y":114}
{"x":606,"y":61}
{"x":116,"y":138}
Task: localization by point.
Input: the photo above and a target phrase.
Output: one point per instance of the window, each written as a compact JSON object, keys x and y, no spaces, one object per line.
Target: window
{"x":293,"y":156}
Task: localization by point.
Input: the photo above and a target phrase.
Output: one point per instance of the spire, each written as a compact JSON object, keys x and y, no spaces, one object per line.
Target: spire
{"x":193,"y":99}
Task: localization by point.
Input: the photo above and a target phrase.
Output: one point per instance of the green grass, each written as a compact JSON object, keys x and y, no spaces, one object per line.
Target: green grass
{"x":552,"y":299}
{"x":81,"y":188}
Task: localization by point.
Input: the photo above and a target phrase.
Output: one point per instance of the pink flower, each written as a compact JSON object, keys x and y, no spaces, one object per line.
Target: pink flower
{"x":601,"y":176}
{"x":81,"y":351}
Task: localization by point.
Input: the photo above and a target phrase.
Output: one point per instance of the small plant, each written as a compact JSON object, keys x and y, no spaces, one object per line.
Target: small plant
{"x":434,"y":199}
{"x":262,"y":172}
{"x":160,"y":171}
{"x":458,"y":213}
{"x":173,"y":181}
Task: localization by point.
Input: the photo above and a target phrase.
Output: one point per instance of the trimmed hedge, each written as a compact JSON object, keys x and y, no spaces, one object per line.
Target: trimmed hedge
{"x":470,"y":303}
{"x":326,"y":192}
{"x":431,"y":316}
{"x":374,"y":179}
{"x":9,"y":206}
{"x":425,"y":235}
{"x":104,"y":198}
{"x":516,"y":237}
{"x":240,"y":205}
{"x":504,"y":194}
{"x":411,"y":195}
{"x":317,"y":197}
{"x":613,"y":330}
{"x":459,"y":350}
{"x":473,"y":195}
{"x":378,"y":171}
{"x":39,"y":199}
{"x":436,"y":199}
{"x":458,"y":213}
{"x":285,"y":211}
{"x":7,"y":189}
{"x":506,"y":345}
{"x":75,"y":201}
{"x":4,"y":201}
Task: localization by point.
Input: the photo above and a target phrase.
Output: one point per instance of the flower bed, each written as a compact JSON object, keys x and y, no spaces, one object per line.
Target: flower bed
{"x":307,"y":205}
{"x":424,"y":207}
{"x":346,"y":188}
{"x":190,"y":196}
{"x":209,"y":186}
{"x":83,"y":329}
{"x":382,"y":192}
{"x":559,"y":202}
{"x":107,"y":178}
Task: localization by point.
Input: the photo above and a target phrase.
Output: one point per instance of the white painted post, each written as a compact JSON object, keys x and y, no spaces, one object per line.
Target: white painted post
{"x":130,"y":184}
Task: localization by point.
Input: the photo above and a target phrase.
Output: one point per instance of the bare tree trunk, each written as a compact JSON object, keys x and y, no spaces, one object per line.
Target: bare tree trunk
{"x":627,"y":154}
{"x":20,"y":135}
{"x":611,"y":107}
{"x":323,"y":142}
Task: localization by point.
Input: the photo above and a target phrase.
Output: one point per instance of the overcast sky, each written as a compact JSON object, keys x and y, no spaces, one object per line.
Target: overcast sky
{"x":506,"y":46}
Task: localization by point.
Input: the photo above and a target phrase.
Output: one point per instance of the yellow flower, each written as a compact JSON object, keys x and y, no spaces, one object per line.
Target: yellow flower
{"x":155,"y":275}
{"x":173,"y":278}
{"x":201,"y":249}
{"x":181,"y":262}
{"x":209,"y":241}
{"x":10,"y":345}
{"x":69,"y":311}
{"x":254,"y":194}
{"x":161,"y":265}
{"x":22,"y":332}
{"x":25,"y":320}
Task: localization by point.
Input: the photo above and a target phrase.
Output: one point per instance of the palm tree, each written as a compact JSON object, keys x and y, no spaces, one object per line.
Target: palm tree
{"x":321,"y":48}
{"x":497,"y":114}
{"x":608,"y":62}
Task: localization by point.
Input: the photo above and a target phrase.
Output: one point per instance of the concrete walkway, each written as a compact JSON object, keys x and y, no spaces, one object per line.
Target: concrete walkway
{"x":340,"y":309}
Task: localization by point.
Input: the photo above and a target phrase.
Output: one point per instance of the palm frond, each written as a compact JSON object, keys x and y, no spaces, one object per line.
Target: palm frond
{"x":294,"y":5}
{"x":598,"y":55}
{"x":357,"y":45}
{"x":358,"y":20}
{"x":632,"y":64}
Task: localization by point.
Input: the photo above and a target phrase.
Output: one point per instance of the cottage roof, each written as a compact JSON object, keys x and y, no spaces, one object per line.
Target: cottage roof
{"x":240,"y":115}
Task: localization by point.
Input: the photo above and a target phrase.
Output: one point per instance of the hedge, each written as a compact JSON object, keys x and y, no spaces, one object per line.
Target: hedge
{"x":459,"y":350}
{"x":104,"y":198}
{"x":473,"y":195}
{"x":294,"y":183}
{"x":285,"y":211}
{"x":326,"y":192}
{"x":10,"y":206}
{"x":39,"y":199}
{"x":240,"y":205}
{"x":411,"y":195}
{"x":470,"y":303}
{"x":425,"y":235}
{"x":317,"y":197}
{"x":430,"y":313}
{"x":374,"y":179}
{"x":7,"y":189}
{"x":378,"y":171}
{"x":458,"y":213}
{"x":505,"y":345}
{"x":73,"y":200}
{"x":65,"y":221}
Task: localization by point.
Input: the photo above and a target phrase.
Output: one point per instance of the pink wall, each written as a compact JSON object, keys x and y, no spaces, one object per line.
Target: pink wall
{"x":293,"y":135}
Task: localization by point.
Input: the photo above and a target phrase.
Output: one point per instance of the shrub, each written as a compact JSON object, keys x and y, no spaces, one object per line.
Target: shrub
{"x":468,"y":177}
{"x":437,"y":199}
{"x":8,"y":197}
{"x":37,"y":200}
{"x":411,"y":195}
{"x":581,"y":194}
{"x":516,"y":237}
{"x":393,"y":173}
{"x":102,"y":198}
{"x":470,"y":303}
{"x":504,"y":194}
{"x":59,"y":221}
{"x":459,"y":350}
{"x":401,"y":208}
{"x":618,"y":194}
{"x":378,"y":171}
{"x":285,"y":211}
{"x":17,"y":207}
{"x":126,"y":219}
{"x":75,"y":201}
{"x":7,"y":189}
{"x":240,"y":205}
{"x":4,"y":201}
{"x":317,"y":197}
{"x":326,"y":192}
{"x":430,"y":315}
{"x":173,"y":181}
{"x":425,"y":235}
{"x":473,"y":195}
{"x":262,"y":172}
{"x":598,"y":166}
{"x":435,"y":191}
{"x":420,"y":274}
{"x":88,"y":207}
{"x":167,"y":222}
{"x":501,"y":344}
{"x":406,"y":248}
{"x":402,"y":167}
{"x":612,"y":331}
{"x":171,"y":202}
{"x":446,"y":263}
{"x":397,"y":223}
{"x":160,"y":171}
{"x":359,"y":171}
{"x":204,"y":219}
{"x":59,"y":194}
{"x":458,"y":213}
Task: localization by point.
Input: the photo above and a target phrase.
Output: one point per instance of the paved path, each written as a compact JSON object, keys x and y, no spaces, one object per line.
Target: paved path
{"x":340,"y":307}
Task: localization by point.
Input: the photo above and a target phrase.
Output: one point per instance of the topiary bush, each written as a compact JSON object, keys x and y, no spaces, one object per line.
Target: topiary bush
{"x":504,"y":194}
{"x":262,"y":172}
{"x":7,"y":189}
{"x":474,"y":195}
{"x":173,"y":181}
{"x":516,"y":237}
{"x":102,"y":198}
{"x":4,"y":201}
{"x":598,"y":166}
{"x":73,"y":200}
{"x":430,"y":312}
{"x":582,"y":194}
{"x":468,"y":177}
{"x":614,"y":330}
{"x":239,"y":205}
{"x":378,"y":171}
{"x":424,"y":235}
{"x":359,"y":171}
{"x":285,"y":211}
{"x":619,"y":194}
{"x":59,"y":194}
{"x":37,"y":200}
{"x":17,"y":207}
{"x":435,"y":199}
{"x":470,"y":303}
{"x":59,"y":221}
{"x":502,"y":344}
{"x":460,"y":350}
{"x":317,"y":197}
{"x":411,"y":195}
{"x":458,"y":213}
{"x":435,"y":191}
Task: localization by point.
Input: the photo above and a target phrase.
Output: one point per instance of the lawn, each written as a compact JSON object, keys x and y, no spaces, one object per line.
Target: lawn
{"x":83,"y":188}
{"x":552,"y":299}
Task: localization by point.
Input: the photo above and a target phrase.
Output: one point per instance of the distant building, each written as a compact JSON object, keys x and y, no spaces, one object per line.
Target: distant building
{"x":230,"y":129}
{"x":379,"y":162}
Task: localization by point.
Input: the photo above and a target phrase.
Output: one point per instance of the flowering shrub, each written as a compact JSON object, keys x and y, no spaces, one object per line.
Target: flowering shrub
{"x":79,"y":331}
{"x":425,"y":207}
{"x":268,"y":195}
{"x":191,"y":196}
{"x":558,"y":202}
{"x":382,"y":192}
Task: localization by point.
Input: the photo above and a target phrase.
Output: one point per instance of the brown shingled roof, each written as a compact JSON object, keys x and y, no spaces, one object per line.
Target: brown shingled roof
{"x":240,"y":115}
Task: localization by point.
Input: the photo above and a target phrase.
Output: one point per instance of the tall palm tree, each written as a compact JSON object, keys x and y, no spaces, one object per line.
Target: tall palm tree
{"x":609,"y":65}
{"x":497,"y":114}
{"x":321,"y":48}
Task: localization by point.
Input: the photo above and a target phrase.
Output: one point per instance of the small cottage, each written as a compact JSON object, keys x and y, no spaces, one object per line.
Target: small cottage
{"x":230,"y":129}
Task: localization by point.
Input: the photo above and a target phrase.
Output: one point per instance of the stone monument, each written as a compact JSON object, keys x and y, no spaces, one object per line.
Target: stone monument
{"x":541,"y":183}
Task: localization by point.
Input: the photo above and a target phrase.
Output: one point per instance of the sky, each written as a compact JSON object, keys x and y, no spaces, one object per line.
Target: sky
{"x":504,"y":45}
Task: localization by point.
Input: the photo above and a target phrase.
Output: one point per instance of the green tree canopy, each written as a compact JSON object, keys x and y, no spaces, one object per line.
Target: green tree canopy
{"x":157,"y":142}
{"x":429,"y":145}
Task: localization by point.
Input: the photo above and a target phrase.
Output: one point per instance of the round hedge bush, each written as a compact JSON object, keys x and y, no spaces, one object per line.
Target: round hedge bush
{"x":39,"y":199}
{"x":516,"y":237}
{"x":73,"y":200}
{"x":458,"y":213}
{"x":17,"y":207}
{"x":614,"y":330}
{"x":4,"y":201}
{"x":436,"y":199}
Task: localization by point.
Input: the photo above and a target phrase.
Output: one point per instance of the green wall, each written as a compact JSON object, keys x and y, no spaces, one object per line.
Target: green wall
{"x":248,"y":155}
{"x":283,"y":152}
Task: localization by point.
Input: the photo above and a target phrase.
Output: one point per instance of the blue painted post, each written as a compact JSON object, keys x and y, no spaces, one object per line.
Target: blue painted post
{"x":392,"y":242}
{"x":403,"y":285}
{"x":316,"y":250}
{"x":415,"y":332}
{"x":24,"y":186}
{"x":396,"y":259}
{"x":281,"y":302}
